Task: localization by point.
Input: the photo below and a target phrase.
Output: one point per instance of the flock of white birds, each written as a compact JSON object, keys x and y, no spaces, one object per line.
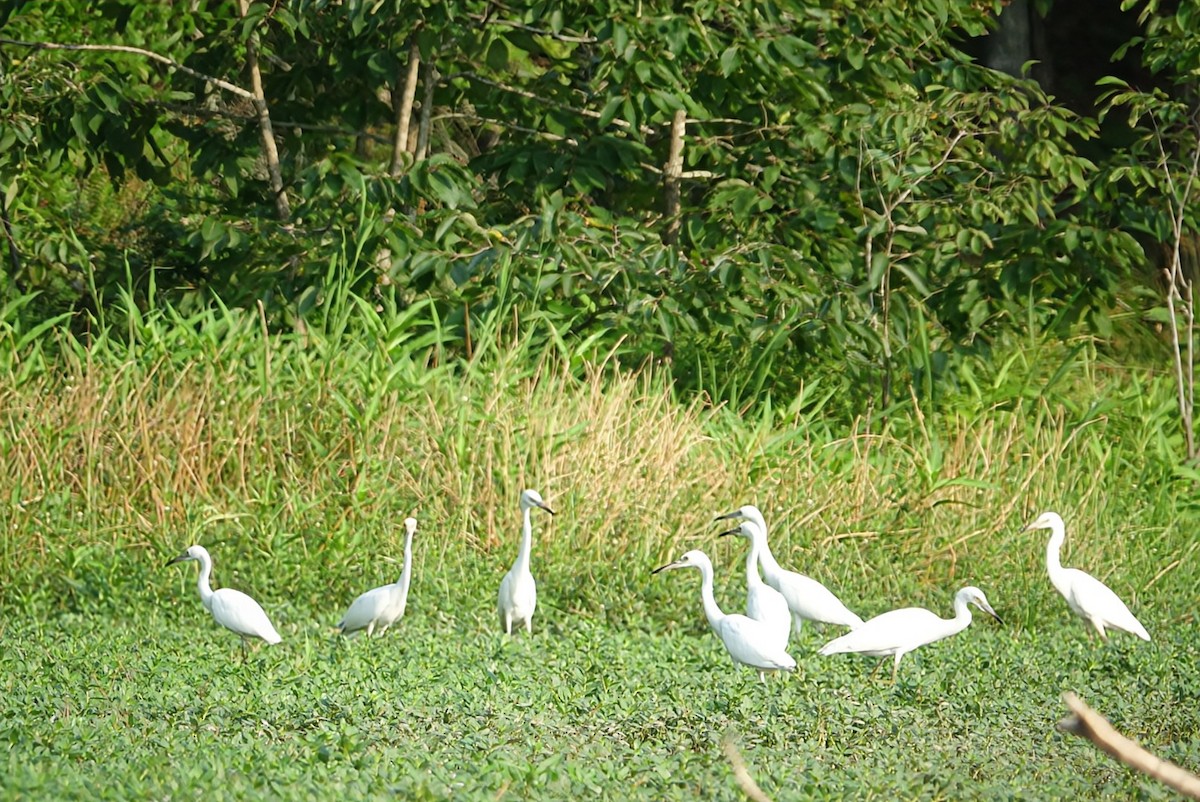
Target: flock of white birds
{"x":777,"y":602}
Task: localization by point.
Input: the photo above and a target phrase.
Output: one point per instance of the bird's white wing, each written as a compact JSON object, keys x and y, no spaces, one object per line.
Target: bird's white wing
{"x":764,"y":603}
{"x":365,"y":609}
{"x":754,"y":644}
{"x":238,"y":612}
{"x":518,"y":594}
{"x":884,"y":634}
{"x":1091,"y":598}
{"x":812,"y":601}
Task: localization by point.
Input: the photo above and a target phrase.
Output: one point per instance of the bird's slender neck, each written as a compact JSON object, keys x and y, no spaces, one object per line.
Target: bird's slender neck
{"x":406,"y":573}
{"x":961,"y":619}
{"x":522,"y":563}
{"x":202,"y":585}
{"x":711,"y":611}
{"x":764,"y":549}
{"x":1058,"y":534}
{"x":752,"y":577}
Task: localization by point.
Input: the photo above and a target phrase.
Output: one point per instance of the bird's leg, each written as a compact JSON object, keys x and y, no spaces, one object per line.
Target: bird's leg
{"x":370,"y":628}
{"x":508,"y":624}
{"x":244,"y":650}
{"x":896,"y":667}
{"x":529,"y":625}
{"x":762,"y":677}
{"x":878,"y":666}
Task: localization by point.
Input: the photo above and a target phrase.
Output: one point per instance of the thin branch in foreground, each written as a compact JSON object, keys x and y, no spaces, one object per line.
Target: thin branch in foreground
{"x":1087,"y":723}
{"x":228,"y":87}
{"x":740,"y":772}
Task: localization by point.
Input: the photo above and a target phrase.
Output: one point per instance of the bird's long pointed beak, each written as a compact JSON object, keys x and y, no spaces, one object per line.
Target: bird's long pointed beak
{"x":546,"y":507}
{"x":666,"y":567}
{"x":728,"y":516}
{"x":179,"y":559}
{"x":736,"y":531}
{"x":987,"y":609}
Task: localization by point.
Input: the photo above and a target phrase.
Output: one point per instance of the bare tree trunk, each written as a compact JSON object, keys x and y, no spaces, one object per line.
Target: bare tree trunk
{"x":431,"y":79}
{"x":403,"y":105}
{"x":672,"y":175}
{"x":283,"y":209}
{"x":1087,"y":723}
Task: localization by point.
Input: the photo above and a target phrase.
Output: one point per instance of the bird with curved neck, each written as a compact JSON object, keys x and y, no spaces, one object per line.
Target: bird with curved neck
{"x":518,"y":590}
{"x":230,"y":608}
{"x":763,"y":602}
{"x":807,"y":598}
{"x":1090,"y":598}
{"x":379,"y":608}
{"x":749,"y":642}
{"x":898,"y":632}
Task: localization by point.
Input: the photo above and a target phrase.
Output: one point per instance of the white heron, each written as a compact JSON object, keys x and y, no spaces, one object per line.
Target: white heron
{"x":750,"y":643}
{"x":898,"y":632}
{"x":518,"y":591}
{"x":230,"y":608}
{"x":379,"y":608}
{"x":1086,"y":595}
{"x":807,"y":598}
{"x":763,"y":602}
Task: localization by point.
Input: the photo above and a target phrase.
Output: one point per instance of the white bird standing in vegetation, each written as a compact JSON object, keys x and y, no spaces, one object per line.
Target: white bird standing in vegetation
{"x":807,"y":598}
{"x":518,"y":591}
{"x":230,"y":608}
{"x":763,"y":602}
{"x":379,"y":608}
{"x":1086,"y":595}
{"x":898,"y":632}
{"x":749,"y":642}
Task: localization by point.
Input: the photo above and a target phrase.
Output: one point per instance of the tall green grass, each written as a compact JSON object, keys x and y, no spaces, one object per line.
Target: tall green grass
{"x":295,"y":455}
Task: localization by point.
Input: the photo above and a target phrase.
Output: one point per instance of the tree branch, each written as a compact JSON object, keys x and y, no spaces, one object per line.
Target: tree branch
{"x":283,"y":208}
{"x":228,"y":87}
{"x":671,"y":178}
{"x":740,"y":773}
{"x":1087,"y":723}
{"x":404,"y":107}
{"x":561,"y":37}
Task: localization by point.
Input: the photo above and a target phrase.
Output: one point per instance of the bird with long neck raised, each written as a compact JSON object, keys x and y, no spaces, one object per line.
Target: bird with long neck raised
{"x":1087,"y":596}
{"x":898,"y":632}
{"x":750,"y":643}
{"x":763,"y":602}
{"x":807,"y":598}
{"x":230,"y":608}
{"x":518,"y":590}
{"x":379,"y":608}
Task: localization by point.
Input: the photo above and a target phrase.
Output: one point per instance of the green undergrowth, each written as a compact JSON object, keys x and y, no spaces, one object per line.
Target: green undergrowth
{"x":156,"y":703}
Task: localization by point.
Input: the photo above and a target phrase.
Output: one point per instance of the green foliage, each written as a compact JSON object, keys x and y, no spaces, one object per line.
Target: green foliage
{"x":862,"y":205}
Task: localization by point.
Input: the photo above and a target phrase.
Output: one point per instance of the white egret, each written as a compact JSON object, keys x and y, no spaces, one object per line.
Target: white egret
{"x":518,"y":591}
{"x":763,"y":602}
{"x":1086,"y":595}
{"x":807,"y":598}
{"x":898,"y":632}
{"x":379,"y":608}
{"x":749,"y":642}
{"x":230,"y":608}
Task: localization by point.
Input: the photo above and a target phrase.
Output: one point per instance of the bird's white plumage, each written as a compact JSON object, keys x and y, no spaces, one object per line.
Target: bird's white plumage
{"x":763,"y":602}
{"x":749,"y":643}
{"x":230,"y":608}
{"x":1087,"y":596}
{"x":379,"y":608}
{"x":898,"y":632}
{"x":517,"y":599}
{"x":807,"y":598}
